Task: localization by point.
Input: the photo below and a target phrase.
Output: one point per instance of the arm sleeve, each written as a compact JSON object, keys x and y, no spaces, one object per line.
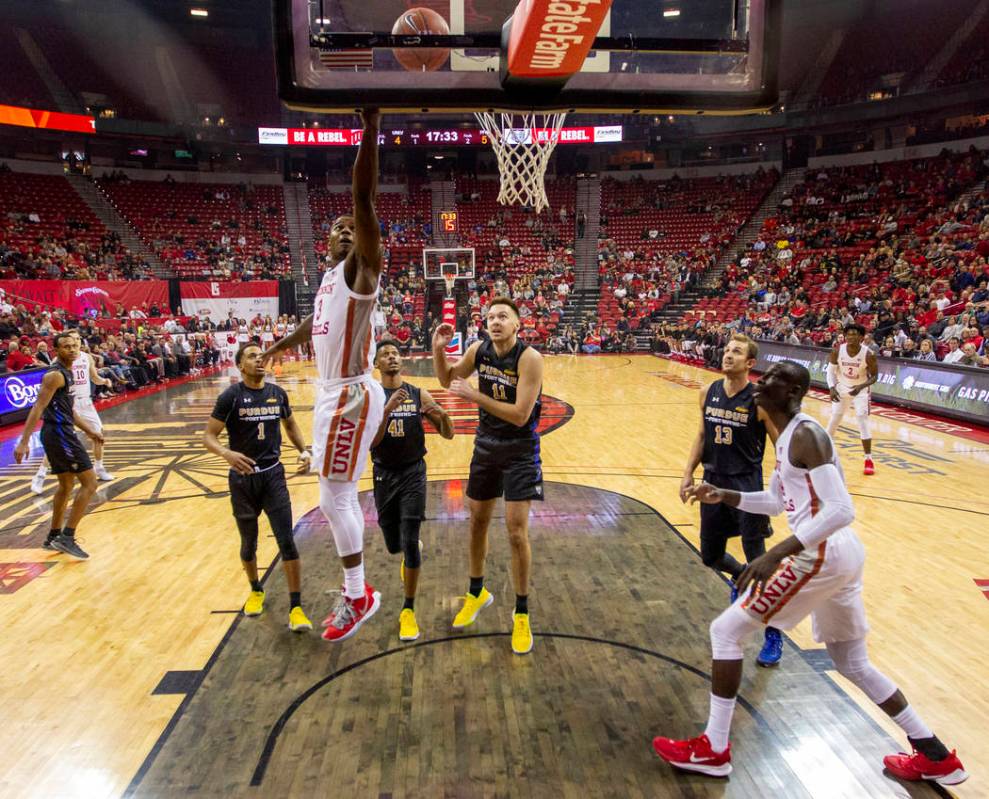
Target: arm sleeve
{"x":832,"y":375}
{"x":224,"y":405}
{"x":835,"y":510}
{"x":763,"y":503}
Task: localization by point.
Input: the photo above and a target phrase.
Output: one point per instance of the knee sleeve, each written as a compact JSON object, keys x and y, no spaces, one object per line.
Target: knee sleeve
{"x":342,"y":509}
{"x":410,"y":543}
{"x":248,"y":538}
{"x":837,"y":411}
{"x":728,"y":631}
{"x":852,"y":661}
{"x":281,"y":526}
{"x":864,"y":430}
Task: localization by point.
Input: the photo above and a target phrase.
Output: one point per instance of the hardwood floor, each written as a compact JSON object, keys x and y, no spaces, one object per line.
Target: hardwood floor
{"x":132,"y":672}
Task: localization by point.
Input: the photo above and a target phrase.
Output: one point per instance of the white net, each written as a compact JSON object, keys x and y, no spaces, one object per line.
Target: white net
{"x":522,"y":144}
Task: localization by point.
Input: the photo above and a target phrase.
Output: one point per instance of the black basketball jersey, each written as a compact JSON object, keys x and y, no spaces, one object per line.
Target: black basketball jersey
{"x":253,"y":418}
{"x":734,"y":438}
{"x":404,"y":442}
{"x":498,"y":378}
{"x":59,"y":410}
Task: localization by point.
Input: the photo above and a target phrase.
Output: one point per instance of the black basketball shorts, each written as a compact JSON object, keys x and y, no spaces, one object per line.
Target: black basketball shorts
{"x":267,"y":491}
{"x":721,"y":521}
{"x":505,"y":466}
{"x":64,"y":450}
{"x":400,"y":493}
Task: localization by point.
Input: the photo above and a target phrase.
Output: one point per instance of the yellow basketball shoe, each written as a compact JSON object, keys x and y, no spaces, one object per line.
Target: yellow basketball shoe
{"x":521,"y":634}
{"x":298,"y":621}
{"x":472,"y":606}
{"x":408,"y":630}
{"x":254,"y":604}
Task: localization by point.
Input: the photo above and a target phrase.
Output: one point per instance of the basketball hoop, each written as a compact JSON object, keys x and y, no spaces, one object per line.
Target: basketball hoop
{"x":522,"y":143}
{"x":449,"y":273}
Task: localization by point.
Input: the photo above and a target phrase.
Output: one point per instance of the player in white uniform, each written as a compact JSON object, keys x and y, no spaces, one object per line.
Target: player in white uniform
{"x":816,"y":571}
{"x":349,"y":402}
{"x":852,"y":369}
{"x":83,"y":375}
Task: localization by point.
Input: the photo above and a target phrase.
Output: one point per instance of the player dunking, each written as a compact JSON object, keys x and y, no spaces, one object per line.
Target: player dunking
{"x":83,"y":376}
{"x":349,"y":401}
{"x":816,"y":571}
{"x":252,"y":411}
{"x":730,"y":443}
{"x":853,"y":368}
{"x":506,"y":457}
{"x":398,"y":453}
{"x":65,"y":453}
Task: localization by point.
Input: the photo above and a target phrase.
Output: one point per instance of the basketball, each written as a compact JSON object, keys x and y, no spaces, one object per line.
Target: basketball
{"x":421,"y":21}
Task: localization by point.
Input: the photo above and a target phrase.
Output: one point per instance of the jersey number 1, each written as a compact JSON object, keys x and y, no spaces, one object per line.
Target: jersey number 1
{"x":260,"y":431}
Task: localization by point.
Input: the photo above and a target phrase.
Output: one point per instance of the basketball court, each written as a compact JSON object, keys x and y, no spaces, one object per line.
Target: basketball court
{"x":134,"y":672}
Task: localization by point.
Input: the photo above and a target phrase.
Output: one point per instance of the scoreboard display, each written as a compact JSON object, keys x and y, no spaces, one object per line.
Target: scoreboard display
{"x":449,"y":222}
{"x":415,"y":137}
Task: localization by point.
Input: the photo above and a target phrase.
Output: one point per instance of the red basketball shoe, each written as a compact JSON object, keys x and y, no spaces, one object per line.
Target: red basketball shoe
{"x":694,"y":755}
{"x":870,"y":467}
{"x":348,"y":615}
{"x":916,"y":767}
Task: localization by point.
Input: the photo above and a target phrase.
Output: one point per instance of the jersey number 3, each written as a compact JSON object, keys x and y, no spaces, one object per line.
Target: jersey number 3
{"x":722,"y":434}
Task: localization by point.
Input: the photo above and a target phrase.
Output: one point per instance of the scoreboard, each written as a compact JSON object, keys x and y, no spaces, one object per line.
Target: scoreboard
{"x":449,"y":222}
{"x":417,"y":137}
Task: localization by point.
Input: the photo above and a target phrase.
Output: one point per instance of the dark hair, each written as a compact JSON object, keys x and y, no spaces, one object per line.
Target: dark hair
{"x":64,"y":334}
{"x":504,"y":301}
{"x":855,"y":326}
{"x":242,"y":349}
{"x":799,"y":376}
{"x":386,"y":342}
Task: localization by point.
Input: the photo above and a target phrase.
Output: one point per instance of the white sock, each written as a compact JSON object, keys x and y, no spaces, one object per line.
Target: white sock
{"x":912,"y":724}
{"x":719,"y":722}
{"x":98,"y":466}
{"x":353,"y":581}
{"x":42,"y":471}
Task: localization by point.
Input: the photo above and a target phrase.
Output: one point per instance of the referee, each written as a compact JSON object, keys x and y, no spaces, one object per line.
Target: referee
{"x":398,"y":452}
{"x":730,"y":443}
{"x":252,"y":411}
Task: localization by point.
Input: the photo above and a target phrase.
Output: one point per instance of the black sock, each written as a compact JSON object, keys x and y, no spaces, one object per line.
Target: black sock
{"x":69,"y":532}
{"x":294,"y":598}
{"x":521,"y":603}
{"x":410,"y":603}
{"x":476,"y":586}
{"x":931,"y":748}
{"x":53,"y":534}
{"x":256,"y":585}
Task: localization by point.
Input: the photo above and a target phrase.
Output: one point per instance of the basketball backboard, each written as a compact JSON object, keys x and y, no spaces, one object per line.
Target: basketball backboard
{"x":703,"y":56}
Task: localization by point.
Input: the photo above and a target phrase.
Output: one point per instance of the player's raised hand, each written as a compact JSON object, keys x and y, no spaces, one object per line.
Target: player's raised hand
{"x":461,"y":388}
{"x":371,"y":117}
{"x":704,"y":493}
{"x":266,"y":357}
{"x":239,"y":462}
{"x":442,"y":336}
{"x":395,"y":400}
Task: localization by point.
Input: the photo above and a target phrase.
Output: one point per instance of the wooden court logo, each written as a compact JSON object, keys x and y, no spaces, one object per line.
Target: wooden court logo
{"x":554,"y":413}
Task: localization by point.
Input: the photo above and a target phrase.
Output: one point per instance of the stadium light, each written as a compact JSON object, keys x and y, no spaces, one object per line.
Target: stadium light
{"x":199,"y":12}
{"x":671,"y":12}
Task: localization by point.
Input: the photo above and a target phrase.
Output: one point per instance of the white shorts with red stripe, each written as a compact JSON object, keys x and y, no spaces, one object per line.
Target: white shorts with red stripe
{"x":861,"y":402}
{"x":824,"y":583}
{"x":346,"y":417}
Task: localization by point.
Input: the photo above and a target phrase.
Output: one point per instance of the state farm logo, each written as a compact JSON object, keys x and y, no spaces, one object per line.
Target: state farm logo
{"x":18,"y":394}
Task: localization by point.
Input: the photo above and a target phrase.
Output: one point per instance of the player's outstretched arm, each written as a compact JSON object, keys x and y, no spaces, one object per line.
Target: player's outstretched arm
{"x":364,"y":263}
{"x":441,"y":419}
{"x":526,"y":392}
{"x":301,"y":335}
{"x":445,"y":371}
{"x":695,"y":456}
{"x":50,"y":383}
{"x":294,"y":434}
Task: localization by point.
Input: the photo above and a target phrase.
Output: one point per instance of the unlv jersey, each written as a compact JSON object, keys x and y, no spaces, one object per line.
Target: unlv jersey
{"x":341,"y":328}
{"x":853,"y":370}
{"x":81,"y":391}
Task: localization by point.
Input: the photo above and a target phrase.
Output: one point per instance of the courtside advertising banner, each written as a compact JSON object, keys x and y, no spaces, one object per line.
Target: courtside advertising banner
{"x":18,"y":391}
{"x":218,"y":299}
{"x":89,"y":298}
{"x":958,"y":392}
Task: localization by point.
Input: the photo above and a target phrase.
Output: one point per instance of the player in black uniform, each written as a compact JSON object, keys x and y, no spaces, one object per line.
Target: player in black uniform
{"x":506,"y":451}
{"x":252,"y":412}
{"x":66,"y":454}
{"x":398,"y":452}
{"x":730,"y":443}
